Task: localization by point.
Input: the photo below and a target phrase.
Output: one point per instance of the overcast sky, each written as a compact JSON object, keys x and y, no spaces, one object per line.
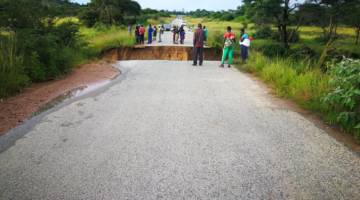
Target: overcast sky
{"x":185,"y":4}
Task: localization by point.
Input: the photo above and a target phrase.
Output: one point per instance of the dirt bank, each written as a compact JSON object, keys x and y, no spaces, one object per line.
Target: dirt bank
{"x":14,"y":110}
{"x":181,"y":53}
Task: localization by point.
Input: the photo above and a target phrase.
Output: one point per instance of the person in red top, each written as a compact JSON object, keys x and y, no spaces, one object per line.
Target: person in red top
{"x":142,"y":34}
{"x":229,"y":46}
{"x":198,"y":43}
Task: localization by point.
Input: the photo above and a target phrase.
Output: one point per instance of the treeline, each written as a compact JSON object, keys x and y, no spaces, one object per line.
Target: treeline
{"x":227,"y":15}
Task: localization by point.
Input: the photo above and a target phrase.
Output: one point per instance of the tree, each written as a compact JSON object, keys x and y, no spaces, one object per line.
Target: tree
{"x":352,"y":17}
{"x":273,"y":11}
{"x":111,"y":11}
{"x":334,"y":10}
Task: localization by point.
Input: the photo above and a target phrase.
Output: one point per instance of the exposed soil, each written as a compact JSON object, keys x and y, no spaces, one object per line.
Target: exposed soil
{"x":14,"y":110}
{"x":181,"y":53}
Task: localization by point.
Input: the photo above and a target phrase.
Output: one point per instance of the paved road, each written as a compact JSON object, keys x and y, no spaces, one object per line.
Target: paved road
{"x":167,"y":37}
{"x":167,"y":130}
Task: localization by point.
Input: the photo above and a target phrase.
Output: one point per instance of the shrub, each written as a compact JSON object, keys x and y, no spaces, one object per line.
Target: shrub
{"x":12,"y":75}
{"x":302,"y":52}
{"x":46,"y":50}
{"x":264,"y":32}
{"x":273,"y":49}
{"x":344,"y":97}
{"x":293,"y":36}
{"x":216,"y":40}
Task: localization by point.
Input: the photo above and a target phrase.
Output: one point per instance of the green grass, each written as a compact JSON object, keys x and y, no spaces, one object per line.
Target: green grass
{"x":296,"y":80}
{"x":103,"y":38}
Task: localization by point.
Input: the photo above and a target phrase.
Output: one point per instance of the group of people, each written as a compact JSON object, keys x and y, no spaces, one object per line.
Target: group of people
{"x":200,"y":37}
{"x":178,"y":33}
{"x":152,"y":32}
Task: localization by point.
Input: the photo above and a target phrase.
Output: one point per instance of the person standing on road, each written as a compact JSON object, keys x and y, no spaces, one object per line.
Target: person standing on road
{"x":244,"y":45}
{"x":137,"y":34}
{"x":228,"y":51}
{"x":150,"y":34}
{"x":206,"y":34}
{"x":142,"y":34}
{"x":155,"y":32}
{"x":161,"y":31}
{"x":198,"y":43}
{"x":175,"y":32}
{"x":182,"y":34}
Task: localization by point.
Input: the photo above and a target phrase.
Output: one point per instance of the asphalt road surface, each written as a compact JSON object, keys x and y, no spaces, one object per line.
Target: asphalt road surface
{"x":167,"y":37}
{"x":167,"y":130}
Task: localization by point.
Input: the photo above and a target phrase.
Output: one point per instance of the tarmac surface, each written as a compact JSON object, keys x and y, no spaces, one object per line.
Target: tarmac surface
{"x":168,"y":130}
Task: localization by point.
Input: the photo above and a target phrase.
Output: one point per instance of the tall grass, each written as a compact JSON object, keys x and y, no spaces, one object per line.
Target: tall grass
{"x":296,"y":80}
{"x":12,"y":76}
{"x":102,"y":38}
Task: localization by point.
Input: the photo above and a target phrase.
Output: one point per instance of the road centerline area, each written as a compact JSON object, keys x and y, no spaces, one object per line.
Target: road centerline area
{"x":169,"y":130}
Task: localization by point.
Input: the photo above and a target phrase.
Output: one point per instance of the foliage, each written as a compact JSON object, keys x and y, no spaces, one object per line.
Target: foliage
{"x":101,"y":38}
{"x":111,"y":12}
{"x":264,"y":32}
{"x":344,"y":97}
{"x":12,"y":75}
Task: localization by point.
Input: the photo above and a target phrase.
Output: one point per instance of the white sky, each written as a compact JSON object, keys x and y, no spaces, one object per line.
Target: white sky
{"x":185,"y":4}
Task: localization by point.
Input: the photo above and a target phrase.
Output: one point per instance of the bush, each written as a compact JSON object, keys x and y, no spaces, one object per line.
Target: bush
{"x":344,"y":97}
{"x":303,"y":52}
{"x":264,"y":32}
{"x":293,"y":36}
{"x":46,"y":50}
{"x":216,"y":40}
{"x":12,"y":75}
{"x":273,"y":49}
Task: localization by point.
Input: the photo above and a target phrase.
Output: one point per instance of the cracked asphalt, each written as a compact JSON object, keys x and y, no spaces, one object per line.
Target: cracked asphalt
{"x":168,"y":130}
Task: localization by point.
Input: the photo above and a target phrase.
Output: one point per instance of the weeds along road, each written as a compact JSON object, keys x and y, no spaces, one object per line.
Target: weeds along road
{"x":167,"y":130}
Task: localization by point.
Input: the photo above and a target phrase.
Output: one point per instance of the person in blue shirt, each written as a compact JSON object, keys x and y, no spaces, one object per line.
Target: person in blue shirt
{"x":150,"y":34}
{"x":244,"y":44}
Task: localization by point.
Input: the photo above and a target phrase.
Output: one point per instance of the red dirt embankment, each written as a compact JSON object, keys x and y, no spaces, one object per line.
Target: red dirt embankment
{"x":14,"y":110}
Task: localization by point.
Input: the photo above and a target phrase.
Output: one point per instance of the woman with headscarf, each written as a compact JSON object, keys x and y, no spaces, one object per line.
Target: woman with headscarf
{"x":244,"y":44}
{"x":229,"y":43}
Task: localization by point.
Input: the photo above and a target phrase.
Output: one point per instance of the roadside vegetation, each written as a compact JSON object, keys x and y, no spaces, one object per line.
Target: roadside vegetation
{"x":43,"y":40}
{"x":308,"y":52}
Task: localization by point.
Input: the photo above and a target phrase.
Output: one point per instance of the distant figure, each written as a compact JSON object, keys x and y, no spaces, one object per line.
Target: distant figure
{"x":244,"y":45}
{"x":228,"y":51}
{"x":177,"y":35}
{"x":137,"y":35}
{"x":206,"y":34}
{"x":182,"y":34}
{"x":130,"y":29}
{"x":198,"y":45}
{"x":161,"y":32}
{"x":150,"y":32}
{"x":155,"y":33}
{"x":175,"y":32}
{"x":142,"y":34}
